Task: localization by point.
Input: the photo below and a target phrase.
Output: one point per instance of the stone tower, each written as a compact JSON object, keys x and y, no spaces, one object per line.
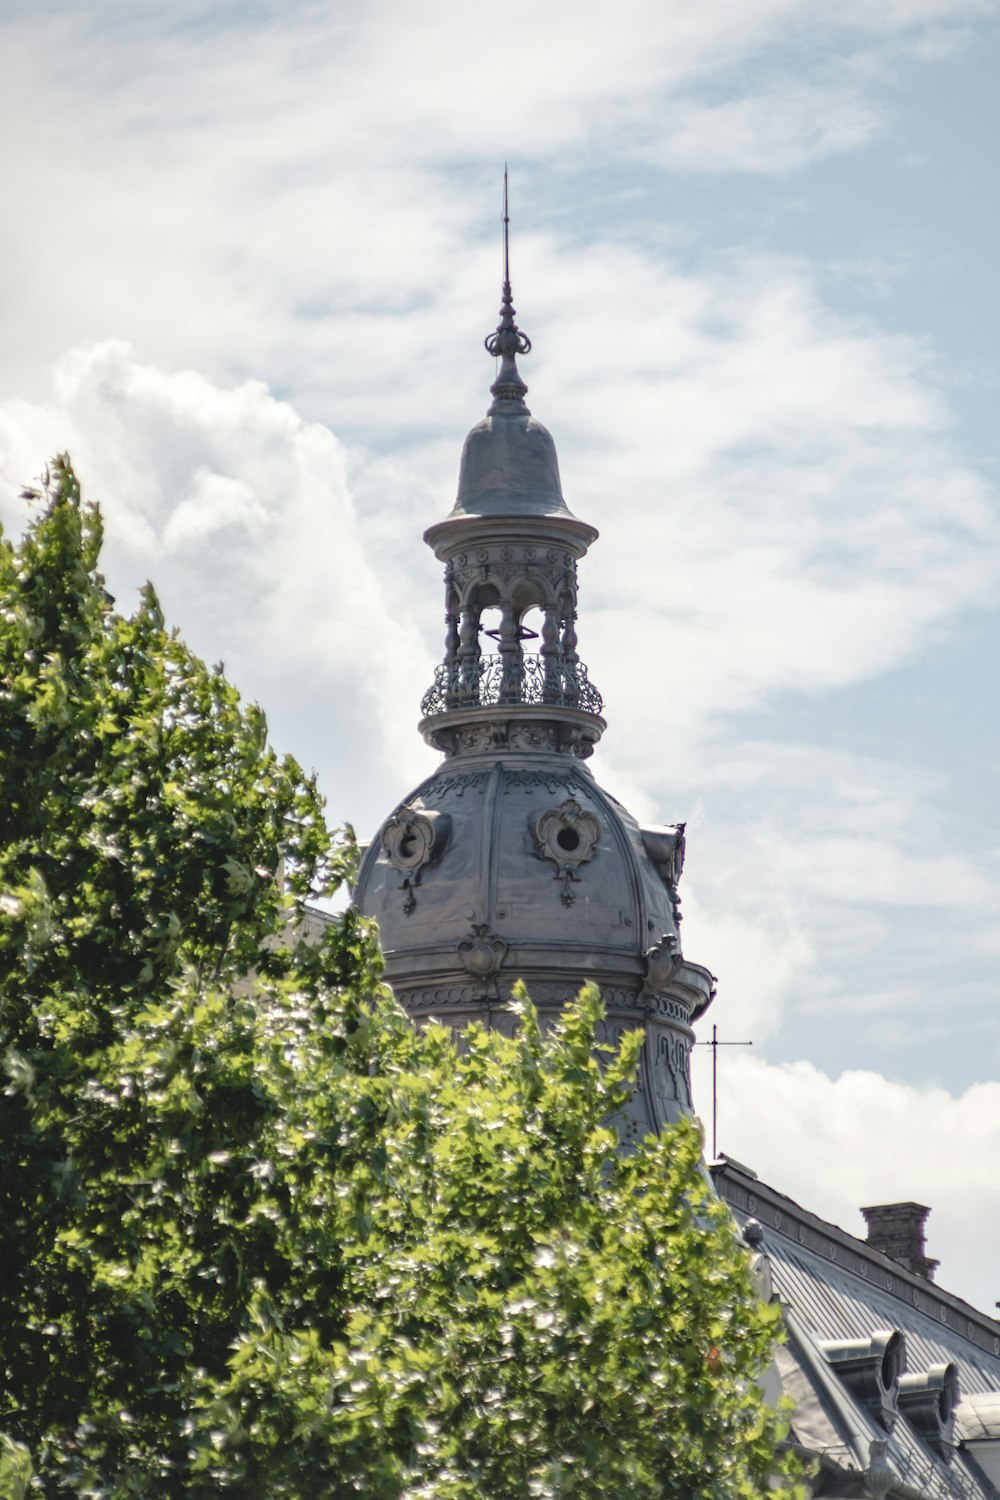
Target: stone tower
{"x":510,"y":862}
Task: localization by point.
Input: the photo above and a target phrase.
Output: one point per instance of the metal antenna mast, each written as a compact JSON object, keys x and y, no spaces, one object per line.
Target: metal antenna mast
{"x":715,"y":1044}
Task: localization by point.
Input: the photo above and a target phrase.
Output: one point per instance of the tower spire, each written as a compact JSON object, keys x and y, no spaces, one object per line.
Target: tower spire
{"x":510,"y":859}
{"x":508,"y":390}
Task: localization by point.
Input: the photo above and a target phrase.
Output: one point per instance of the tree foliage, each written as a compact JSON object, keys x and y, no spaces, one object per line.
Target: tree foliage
{"x":261,"y":1235}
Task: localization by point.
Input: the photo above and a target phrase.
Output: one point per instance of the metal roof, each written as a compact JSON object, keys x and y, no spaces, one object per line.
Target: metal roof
{"x":832,"y":1286}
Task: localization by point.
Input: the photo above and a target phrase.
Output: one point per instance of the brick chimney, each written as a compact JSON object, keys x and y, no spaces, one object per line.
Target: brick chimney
{"x":897,"y":1229}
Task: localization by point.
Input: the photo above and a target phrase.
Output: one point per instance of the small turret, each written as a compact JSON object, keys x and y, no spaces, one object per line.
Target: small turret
{"x":510,"y":862}
{"x":510,"y":547}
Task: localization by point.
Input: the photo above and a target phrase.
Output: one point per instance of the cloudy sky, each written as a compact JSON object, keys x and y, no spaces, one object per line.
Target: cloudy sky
{"x":248,"y":256}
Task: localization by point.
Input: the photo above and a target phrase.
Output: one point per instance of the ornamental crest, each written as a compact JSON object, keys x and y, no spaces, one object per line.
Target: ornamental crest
{"x":568,"y":835}
{"x":413,"y":840}
{"x":662,"y":962}
{"x":482,"y":955}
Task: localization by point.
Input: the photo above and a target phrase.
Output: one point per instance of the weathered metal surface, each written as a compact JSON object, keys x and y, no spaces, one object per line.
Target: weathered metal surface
{"x":833,"y":1287}
{"x":497,"y":904}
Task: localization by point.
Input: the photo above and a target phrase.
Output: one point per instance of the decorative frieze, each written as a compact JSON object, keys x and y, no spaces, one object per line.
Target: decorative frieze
{"x":670,"y":1065}
{"x":458,"y":782}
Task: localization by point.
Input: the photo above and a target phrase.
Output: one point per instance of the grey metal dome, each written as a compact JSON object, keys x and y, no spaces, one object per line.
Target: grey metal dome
{"x":522,"y":867}
{"x":509,"y":468}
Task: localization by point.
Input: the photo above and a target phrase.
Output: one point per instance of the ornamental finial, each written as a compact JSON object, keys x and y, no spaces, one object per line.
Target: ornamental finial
{"x":508,"y":390}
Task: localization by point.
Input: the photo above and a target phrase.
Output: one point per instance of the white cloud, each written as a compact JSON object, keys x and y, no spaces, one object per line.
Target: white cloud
{"x":223,"y":190}
{"x":780,"y":129}
{"x":243,"y":514}
{"x":216,"y":502}
{"x":834,"y":1144}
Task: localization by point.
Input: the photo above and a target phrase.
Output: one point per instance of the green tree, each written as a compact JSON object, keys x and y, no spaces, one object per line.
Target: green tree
{"x":259,"y":1234}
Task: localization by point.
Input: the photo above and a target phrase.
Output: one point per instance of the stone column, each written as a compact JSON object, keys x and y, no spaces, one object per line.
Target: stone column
{"x":552,"y":685}
{"x":468,"y":655}
{"x":571,"y":687}
{"x":510,"y":657}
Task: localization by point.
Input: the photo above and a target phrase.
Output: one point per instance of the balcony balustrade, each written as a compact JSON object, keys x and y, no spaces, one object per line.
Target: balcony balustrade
{"x":499,"y":680}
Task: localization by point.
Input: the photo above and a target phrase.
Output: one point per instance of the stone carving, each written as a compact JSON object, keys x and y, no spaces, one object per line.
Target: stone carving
{"x":508,"y":564}
{"x":611,"y":1033}
{"x":529,"y":780}
{"x":482,"y":955}
{"x":760,"y":1265}
{"x":458,"y":782}
{"x":440,"y":995}
{"x":568,"y":835}
{"x":671,"y":1074}
{"x":665,"y":1007}
{"x":571,"y":740}
{"x":662,"y":962}
{"x":469,"y":741}
{"x":412,"y":840}
{"x":879,"y":1475}
{"x":546,"y":995}
{"x":531,"y":737}
{"x":477,"y":739}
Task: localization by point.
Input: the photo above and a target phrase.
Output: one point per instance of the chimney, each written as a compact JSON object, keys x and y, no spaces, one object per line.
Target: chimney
{"x":897,"y":1229}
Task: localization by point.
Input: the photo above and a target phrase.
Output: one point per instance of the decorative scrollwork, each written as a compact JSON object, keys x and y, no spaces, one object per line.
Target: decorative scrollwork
{"x":506,"y":342}
{"x":481,"y":954}
{"x":568,"y":835}
{"x":493,"y":680}
{"x":662,"y":962}
{"x":412,"y":840}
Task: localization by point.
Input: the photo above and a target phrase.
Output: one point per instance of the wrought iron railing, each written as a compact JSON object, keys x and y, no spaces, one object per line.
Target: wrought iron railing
{"x":497,"y":680}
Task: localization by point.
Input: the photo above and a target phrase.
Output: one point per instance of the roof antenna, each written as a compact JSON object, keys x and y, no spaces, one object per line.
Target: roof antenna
{"x":715,"y":1044}
{"x":508,"y":390}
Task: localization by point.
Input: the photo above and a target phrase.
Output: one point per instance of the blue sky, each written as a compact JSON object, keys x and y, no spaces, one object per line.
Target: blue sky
{"x":249,"y":257}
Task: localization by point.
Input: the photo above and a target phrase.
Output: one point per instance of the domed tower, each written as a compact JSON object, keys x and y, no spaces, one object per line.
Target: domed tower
{"x":510,"y":862}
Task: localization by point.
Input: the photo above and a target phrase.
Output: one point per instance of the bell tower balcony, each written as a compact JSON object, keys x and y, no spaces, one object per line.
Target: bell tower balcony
{"x":525,"y":703}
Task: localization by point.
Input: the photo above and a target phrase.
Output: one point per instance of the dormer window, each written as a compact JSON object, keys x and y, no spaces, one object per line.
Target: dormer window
{"x":871,"y":1369}
{"x":927,"y":1399}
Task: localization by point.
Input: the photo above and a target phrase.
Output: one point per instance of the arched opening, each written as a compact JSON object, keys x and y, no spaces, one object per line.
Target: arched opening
{"x":530,"y":630}
{"x":489,"y":630}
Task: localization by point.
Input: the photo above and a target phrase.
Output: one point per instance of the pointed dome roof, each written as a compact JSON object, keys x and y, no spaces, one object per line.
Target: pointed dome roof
{"x":509,"y":465}
{"x":509,"y":468}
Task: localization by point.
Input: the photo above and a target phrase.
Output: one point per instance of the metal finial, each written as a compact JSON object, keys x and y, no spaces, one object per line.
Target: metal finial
{"x":506,"y":238}
{"x":508,"y":390}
